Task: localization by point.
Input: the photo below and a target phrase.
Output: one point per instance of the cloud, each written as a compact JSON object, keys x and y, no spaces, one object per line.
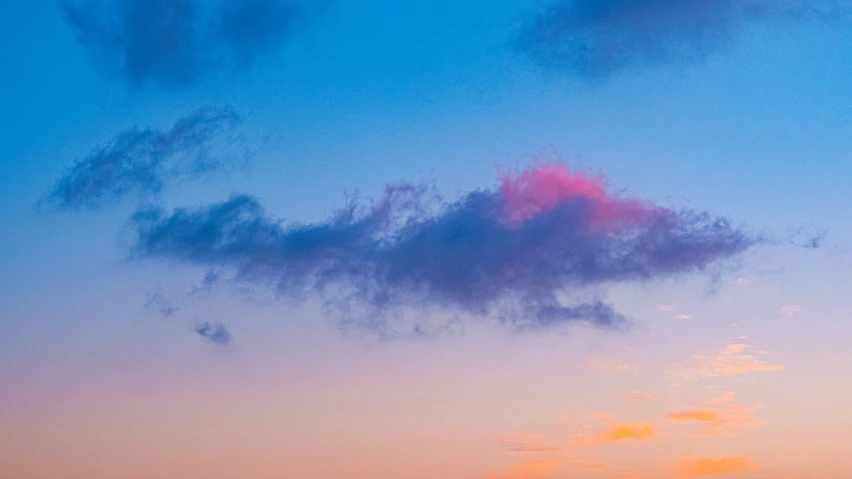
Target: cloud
{"x":626,"y":433}
{"x":528,"y":443}
{"x":253,"y":27}
{"x":143,"y":160}
{"x":602,"y":416}
{"x":213,"y":332}
{"x":594,"y":39}
{"x":165,"y":306}
{"x":790,"y":311}
{"x":703,"y":467}
{"x":701,"y":416}
{"x":637,"y":396}
{"x":610,"y":365}
{"x":177,"y":42}
{"x":513,"y":252}
{"x":720,"y":416}
{"x":730,"y":361}
{"x":666,"y":307}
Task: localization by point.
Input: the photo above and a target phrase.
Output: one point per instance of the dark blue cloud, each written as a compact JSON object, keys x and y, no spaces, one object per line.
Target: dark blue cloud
{"x":166,"y":307}
{"x":596,"y":38}
{"x":177,"y":42}
{"x":213,"y":332}
{"x":411,"y":251}
{"x":252,"y":27}
{"x":143,"y":160}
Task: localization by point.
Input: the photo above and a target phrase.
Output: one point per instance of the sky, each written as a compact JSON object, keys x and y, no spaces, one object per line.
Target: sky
{"x":516,"y":239}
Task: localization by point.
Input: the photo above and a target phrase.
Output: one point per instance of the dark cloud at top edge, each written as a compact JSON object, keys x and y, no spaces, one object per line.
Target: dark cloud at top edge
{"x":176,"y":43}
{"x":594,"y":39}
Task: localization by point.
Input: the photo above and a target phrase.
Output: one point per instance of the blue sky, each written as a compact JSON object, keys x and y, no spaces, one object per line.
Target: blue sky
{"x":365,"y":93}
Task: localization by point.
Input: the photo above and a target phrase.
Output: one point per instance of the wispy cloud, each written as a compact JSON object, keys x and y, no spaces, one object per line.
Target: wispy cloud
{"x":790,"y":310}
{"x":529,"y":443}
{"x":177,"y":42}
{"x":637,"y":396}
{"x":143,"y":160}
{"x":511,"y":252}
{"x":597,"y":38}
{"x":672,"y":308}
{"x":701,"y":416}
{"x":626,"y":433}
{"x":213,"y":332}
{"x":163,"y":305}
{"x":703,"y":467}
{"x":602,"y":416}
{"x":609,"y":365}
{"x":720,"y":416}
{"x":732,"y":360}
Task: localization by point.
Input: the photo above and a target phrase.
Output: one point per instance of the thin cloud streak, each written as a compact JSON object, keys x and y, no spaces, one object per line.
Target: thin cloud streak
{"x":144,"y":160}
{"x":731,"y":360}
{"x":634,"y":432}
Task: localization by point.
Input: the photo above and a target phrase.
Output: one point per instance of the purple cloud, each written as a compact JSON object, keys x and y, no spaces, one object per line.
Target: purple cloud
{"x":213,"y":332}
{"x":513,"y":253}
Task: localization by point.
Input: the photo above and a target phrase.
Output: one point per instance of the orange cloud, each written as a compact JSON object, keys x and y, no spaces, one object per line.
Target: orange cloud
{"x":720,"y":416}
{"x":730,"y":361}
{"x":703,"y":467}
{"x":637,"y":396}
{"x":700,"y":416}
{"x":627,"y":432}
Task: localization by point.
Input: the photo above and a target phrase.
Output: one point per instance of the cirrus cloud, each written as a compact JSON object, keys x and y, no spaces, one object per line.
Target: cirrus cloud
{"x":731,"y":360}
{"x":144,"y":160}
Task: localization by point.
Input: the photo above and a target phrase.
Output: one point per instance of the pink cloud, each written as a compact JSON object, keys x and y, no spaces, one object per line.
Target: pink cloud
{"x":542,"y":188}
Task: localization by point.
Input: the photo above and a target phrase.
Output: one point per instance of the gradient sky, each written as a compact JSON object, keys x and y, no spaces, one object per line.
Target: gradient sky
{"x":134,"y":348}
